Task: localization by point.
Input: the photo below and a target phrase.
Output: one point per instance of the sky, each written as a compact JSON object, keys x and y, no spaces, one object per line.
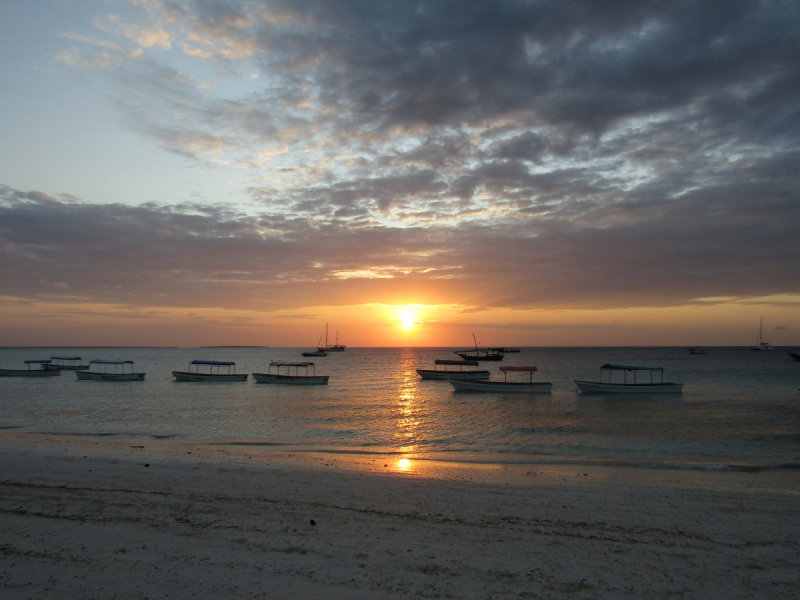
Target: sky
{"x":538,"y":173}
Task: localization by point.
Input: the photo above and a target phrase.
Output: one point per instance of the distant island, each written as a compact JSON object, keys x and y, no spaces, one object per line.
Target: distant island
{"x":233,"y":346}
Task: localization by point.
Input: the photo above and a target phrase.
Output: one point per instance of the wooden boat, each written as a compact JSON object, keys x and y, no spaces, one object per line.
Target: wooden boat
{"x":761,"y":344}
{"x":477,"y":353}
{"x":65,"y":363}
{"x":288,"y":377}
{"x":337,"y":347}
{"x":123,"y":371}
{"x":629,"y":387}
{"x":317,"y":353}
{"x":505,"y":386}
{"x":196,"y":375}
{"x":460,"y":373}
{"x":40,"y":372}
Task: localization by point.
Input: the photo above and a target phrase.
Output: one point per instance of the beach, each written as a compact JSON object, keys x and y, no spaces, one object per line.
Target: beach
{"x":131,"y":517}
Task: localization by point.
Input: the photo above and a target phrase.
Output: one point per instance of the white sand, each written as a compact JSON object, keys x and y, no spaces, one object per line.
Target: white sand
{"x":82,"y":517}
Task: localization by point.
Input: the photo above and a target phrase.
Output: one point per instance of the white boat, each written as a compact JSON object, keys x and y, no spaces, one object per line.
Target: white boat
{"x":460,"y":373}
{"x":123,"y":371}
{"x":288,"y":377}
{"x":196,"y":375}
{"x":65,"y":363}
{"x":505,"y":386}
{"x":337,"y":347}
{"x":629,"y":387}
{"x":761,"y":344}
{"x":42,"y":371}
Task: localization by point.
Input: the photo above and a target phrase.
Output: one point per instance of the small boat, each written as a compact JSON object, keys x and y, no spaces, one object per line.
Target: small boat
{"x":123,"y":371}
{"x":317,"y":353}
{"x":626,"y":386}
{"x":196,"y":375}
{"x":288,"y":377}
{"x":507,"y":350}
{"x":477,"y":353}
{"x":42,"y":371}
{"x":761,"y":344}
{"x":459,"y":373}
{"x":337,"y":347}
{"x":65,"y":363}
{"x":505,"y":386}
{"x":794,"y":355}
{"x":697,"y":351}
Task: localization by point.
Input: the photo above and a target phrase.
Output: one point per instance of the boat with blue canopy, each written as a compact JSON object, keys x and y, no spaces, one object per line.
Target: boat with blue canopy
{"x":449,"y":372}
{"x":627,"y":386}
{"x":66,"y":363}
{"x":110,"y":370}
{"x":275,"y":374}
{"x":505,"y":386}
{"x":42,"y":371}
{"x":211,"y":371}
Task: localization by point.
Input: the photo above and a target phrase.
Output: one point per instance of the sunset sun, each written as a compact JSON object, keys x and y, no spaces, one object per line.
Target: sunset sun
{"x":407,"y":320}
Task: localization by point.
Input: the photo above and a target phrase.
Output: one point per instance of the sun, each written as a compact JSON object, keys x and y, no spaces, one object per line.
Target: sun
{"x":407,"y":320}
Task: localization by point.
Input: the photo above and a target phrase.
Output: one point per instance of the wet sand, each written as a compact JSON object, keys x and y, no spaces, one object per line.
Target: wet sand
{"x":114,"y":517}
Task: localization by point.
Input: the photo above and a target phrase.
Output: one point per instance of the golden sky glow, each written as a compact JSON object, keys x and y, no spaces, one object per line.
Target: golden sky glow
{"x":384,"y":325}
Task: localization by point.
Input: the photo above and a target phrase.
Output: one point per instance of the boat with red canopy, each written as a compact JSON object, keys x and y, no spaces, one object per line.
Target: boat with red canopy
{"x":525,"y":387}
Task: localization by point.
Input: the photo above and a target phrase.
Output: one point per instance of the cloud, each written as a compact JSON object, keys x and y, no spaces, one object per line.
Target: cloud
{"x":519,"y":154}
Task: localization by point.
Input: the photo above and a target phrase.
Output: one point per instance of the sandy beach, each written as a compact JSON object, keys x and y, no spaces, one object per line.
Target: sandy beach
{"x":114,"y":517}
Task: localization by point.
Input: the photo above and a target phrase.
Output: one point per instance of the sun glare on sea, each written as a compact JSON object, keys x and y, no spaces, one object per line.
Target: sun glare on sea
{"x":403,"y":464}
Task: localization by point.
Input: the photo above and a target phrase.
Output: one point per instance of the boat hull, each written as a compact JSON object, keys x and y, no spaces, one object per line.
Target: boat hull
{"x":66,"y":367}
{"x":291,"y":379}
{"x":794,"y":355}
{"x":92,"y":376}
{"x":331,"y":349}
{"x":226,"y":377}
{"x":503,"y":387}
{"x":468,"y":356}
{"x":318,"y":353}
{"x":597,"y":387}
{"x":28,"y":373}
{"x":444,"y":375}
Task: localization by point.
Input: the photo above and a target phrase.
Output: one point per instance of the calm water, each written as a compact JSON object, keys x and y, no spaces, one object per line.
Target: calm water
{"x":739,"y":409}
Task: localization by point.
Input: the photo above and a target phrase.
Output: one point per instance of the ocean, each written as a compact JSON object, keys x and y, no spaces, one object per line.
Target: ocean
{"x":740,"y":410}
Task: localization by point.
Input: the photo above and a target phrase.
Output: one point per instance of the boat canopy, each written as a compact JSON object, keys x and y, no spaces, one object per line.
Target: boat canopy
{"x":531,"y":369}
{"x":608,"y":367}
{"x":38,"y":362}
{"x":279,"y":363}
{"x":463,"y":363}
{"x":65,"y":357}
{"x":213,"y":362}
{"x":111,"y":362}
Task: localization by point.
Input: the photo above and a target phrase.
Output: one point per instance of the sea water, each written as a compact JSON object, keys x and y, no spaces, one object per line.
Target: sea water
{"x":739,"y":409}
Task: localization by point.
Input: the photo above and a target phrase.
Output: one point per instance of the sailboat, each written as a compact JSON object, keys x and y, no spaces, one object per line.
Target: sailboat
{"x":762,"y":345}
{"x":330,"y":347}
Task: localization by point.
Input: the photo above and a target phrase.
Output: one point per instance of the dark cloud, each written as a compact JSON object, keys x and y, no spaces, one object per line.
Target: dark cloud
{"x":520,"y":153}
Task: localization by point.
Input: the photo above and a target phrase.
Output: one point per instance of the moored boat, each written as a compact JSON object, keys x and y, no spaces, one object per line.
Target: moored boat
{"x":794,"y":355}
{"x":277,"y":376}
{"x":337,"y":347}
{"x":449,"y":373}
{"x":123,"y":371}
{"x":697,"y":351}
{"x":317,"y":353}
{"x":761,"y":344}
{"x":478,"y":353}
{"x":505,"y":386}
{"x":42,"y":371}
{"x":196,"y":375}
{"x":629,"y":387}
{"x":65,"y":363}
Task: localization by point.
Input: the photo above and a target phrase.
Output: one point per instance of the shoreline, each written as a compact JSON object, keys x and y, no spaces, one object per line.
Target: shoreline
{"x":465,"y":459}
{"x":104,"y":518}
